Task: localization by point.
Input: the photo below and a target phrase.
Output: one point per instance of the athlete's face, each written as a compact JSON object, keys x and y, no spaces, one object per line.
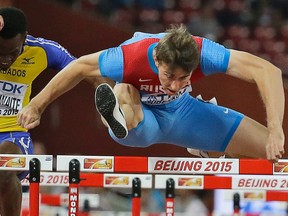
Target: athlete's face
{"x":10,"y":49}
{"x":172,"y":81}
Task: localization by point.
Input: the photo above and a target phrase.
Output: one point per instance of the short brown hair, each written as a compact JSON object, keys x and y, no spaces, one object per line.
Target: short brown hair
{"x":178,"y":49}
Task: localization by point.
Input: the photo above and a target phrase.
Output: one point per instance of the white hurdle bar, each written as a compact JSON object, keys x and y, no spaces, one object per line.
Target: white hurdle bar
{"x":113,"y":180}
{"x":174,"y":166}
{"x":194,"y":182}
{"x":169,"y":165}
{"x":235,"y":182}
{"x":121,"y":172}
{"x":20,"y":162}
{"x":106,"y":180}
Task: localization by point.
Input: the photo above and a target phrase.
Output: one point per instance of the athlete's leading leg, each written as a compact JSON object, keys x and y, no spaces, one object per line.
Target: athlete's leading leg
{"x":249,"y":140}
{"x":10,"y":186}
{"x":129,"y":100}
{"x":119,"y":108}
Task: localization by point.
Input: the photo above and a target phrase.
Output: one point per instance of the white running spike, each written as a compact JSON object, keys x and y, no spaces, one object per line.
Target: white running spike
{"x":108,"y":107}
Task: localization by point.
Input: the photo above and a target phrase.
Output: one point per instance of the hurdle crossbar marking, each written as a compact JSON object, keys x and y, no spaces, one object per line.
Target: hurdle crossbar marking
{"x":168,"y":165}
{"x":113,"y":180}
{"x":131,"y":164}
{"x":87,"y":163}
{"x":93,"y":180}
{"x":109,"y":164}
{"x":254,"y":182}
{"x":50,"y":179}
{"x":20,"y":162}
{"x":193,"y":165}
{"x":276,"y":196}
{"x":125,"y":180}
{"x":251,"y":182}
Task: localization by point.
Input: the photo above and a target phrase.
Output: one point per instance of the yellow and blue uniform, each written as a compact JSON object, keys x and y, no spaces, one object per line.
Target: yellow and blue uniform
{"x":37,"y":55}
{"x":16,"y":82}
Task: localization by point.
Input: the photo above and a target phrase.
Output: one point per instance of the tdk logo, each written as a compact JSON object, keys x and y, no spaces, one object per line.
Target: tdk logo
{"x":11,"y":88}
{"x":28,"y":61}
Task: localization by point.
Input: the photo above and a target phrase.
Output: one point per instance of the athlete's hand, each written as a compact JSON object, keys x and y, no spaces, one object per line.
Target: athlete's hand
{"x":275,"y":144}
{"x":29,"y":117}
{"x":1,"y":22}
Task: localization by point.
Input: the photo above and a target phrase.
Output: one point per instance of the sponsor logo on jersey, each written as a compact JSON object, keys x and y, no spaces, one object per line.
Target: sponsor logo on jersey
{"x":12,"y":88}
{"x":144,"y":80}
{"x":28,"y":61}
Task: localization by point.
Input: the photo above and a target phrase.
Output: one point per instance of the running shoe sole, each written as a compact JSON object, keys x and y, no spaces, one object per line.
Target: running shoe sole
{"x":108,"y":107}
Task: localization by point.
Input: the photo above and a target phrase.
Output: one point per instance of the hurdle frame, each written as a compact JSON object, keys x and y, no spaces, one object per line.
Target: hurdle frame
{"x":115,"y":166}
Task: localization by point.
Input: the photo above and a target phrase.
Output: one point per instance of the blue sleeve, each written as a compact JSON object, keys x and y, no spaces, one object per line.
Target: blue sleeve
{"x":57,"y":56}
{"x":214,"y":57}
{"x":111,"y":64}
{"x":111,"y":61}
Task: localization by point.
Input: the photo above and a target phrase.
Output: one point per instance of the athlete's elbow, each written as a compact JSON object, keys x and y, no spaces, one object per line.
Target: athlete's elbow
{"x":278,"y":72}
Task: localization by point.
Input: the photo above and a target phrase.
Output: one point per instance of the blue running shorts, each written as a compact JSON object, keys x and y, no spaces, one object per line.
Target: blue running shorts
{"x":23,"y":141}
{"x":186,"y":122}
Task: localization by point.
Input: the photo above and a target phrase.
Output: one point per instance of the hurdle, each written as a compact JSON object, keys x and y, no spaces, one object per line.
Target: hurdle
{"x":234,"y":172}
{"x":237,"y":182}
{"x":169,"y":165}
{"x":136,"y":196}
{"x":20,"y":162}
{"x":259,"y":195}
{"x":170,"y":196}
{"x":74,"y":180}
{"x":34,"y":164}
{"x":34,"y":179}
{"x":124,"y":172}
{"x":236,"y":204}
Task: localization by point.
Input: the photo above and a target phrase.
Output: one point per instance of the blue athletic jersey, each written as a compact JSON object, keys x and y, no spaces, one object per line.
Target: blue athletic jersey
{"x":132,"y":62}
{"x":214,"y":57}
{"x":179,"y":119}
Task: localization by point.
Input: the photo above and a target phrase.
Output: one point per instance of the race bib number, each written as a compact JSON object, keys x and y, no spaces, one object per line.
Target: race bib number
{"x":11,"y":97}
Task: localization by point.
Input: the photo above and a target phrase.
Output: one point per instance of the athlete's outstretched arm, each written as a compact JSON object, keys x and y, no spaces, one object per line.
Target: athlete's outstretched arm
{"x":268,"y":79}
{"x":86,"y":67}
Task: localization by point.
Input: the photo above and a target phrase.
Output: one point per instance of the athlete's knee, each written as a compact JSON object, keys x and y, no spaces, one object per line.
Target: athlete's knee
{"x":121,"y":89}
{"x":126,"y":93}
{"x":134,"y":122}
